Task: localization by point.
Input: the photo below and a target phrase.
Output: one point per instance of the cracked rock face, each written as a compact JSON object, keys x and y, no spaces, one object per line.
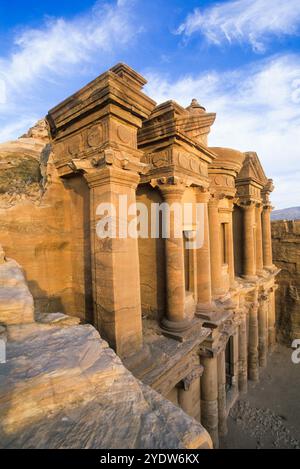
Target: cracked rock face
{"x":22,"y":166}
{"x":65,"y":388}
{"x":286,"y":255}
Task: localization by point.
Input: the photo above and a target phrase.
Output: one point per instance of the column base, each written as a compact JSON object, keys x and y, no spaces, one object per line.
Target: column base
{"x":179,"y":330}
{"x":253,"y":374}
{"x":205,"y":308}
{"x":270,"y":268}
{"x":233,"y":284}
{"x":209,"y":417}
{"x":271,"y":339}
{"x":262,"y":362}
{"x":243,"y":383}
{"x":214,"y":318}
{"x":262,"y":355}
{"x":260,"y":273}
{"x":250,"y":278}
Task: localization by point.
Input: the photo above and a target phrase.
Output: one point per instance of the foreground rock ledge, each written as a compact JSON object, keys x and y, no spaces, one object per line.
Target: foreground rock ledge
{"x":63,"y":387}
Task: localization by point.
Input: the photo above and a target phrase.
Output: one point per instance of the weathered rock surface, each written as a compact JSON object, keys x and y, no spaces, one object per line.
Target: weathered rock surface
{"x":37,"y":211}
{"x":2,"y":255}
{"x":64,"y":388}
{"x":22,"y":166}
{"x":286,"y":255}
{"x":16,"y":302}
{"x":57,"y":319}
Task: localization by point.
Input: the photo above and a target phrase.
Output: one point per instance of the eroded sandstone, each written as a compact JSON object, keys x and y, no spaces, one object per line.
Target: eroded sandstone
{"x":286,"y":252}
{"x":63,"y":387}
{"x":16,"y":302}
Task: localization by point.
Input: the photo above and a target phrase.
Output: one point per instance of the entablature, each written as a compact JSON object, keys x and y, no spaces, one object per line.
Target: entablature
{"x":174,"y":159}
{"x":109,"y":88}
{"x":98,"y":125}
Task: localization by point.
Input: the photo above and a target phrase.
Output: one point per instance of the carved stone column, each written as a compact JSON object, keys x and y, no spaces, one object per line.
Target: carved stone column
{"x":175,"y":320}
{"x":243,"y":348}
{"x":189,"y":393}
{"x":235,"y":363}
{"x":94,"y":133}
{"x":259,"y":246}
{"x":262,"y":330}
{"x":209,"y":398}
{"x":249,"y":241}
{"x":253,"y":368}
{"x":267,"y":237}
{"x":271,"y":320}
{"x":215,"y":248}
{"x":230,"y":248}
{"x":222,"y":414}
{"x":115,"y":264}
{"x":204,"y":302}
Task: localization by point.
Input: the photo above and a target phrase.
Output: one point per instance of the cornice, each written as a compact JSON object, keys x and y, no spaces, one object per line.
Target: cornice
{"x":108,"y":88}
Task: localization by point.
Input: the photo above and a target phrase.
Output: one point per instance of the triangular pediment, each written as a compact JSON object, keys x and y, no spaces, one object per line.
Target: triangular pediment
{"x":252,"y":170}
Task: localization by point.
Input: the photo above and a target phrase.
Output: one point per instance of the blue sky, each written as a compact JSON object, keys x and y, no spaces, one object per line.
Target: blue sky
{"x":239,"y":58}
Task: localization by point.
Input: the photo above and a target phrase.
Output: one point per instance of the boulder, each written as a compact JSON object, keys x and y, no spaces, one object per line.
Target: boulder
{"x":65,"y":388}
{"x":16,"y":302}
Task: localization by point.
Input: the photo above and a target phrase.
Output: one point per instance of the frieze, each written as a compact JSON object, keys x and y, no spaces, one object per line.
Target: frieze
{"x":74,"y":145}
{"x":160,"y":160}
{"x":124,"y":134}
{"x":94,"y":136}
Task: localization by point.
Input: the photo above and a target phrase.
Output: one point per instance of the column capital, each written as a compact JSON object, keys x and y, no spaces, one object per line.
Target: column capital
{"x":264,"y":297}
{"x":109,"y":174}
{"x":214,"y":199}
{"x":202,"y":195}
{"x":172,"y":188}
{"x":231,"y":203}
{"x":254,"y":306}
{"x":248,"y":205}
{"x":197,"y":372}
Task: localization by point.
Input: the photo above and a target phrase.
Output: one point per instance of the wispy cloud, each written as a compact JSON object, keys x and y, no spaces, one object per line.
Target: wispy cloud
{"x":244,"y":21}
{"x":257,"y":110}
{"x":42,"y":58}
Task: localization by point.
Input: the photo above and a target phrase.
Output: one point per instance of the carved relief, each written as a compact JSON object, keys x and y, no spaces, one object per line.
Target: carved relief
{"x":58,"y":151}
{"x":159,"y":159}
{"x":124,"y":134}
{"x":190,"y":163}
{"x":218,"y":180}
{"x":95,"y":136}
{"x":74,"y":145}
{"x":183,"y":161}
{"x":195,"y":166}
{"x":203,"y":169}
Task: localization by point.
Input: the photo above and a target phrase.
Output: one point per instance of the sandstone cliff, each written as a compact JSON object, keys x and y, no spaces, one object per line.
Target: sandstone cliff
{"x":36,"y":215}
{"x":63,"y":387}
{"x":286,"y":255}
{"x":23,"y":166}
